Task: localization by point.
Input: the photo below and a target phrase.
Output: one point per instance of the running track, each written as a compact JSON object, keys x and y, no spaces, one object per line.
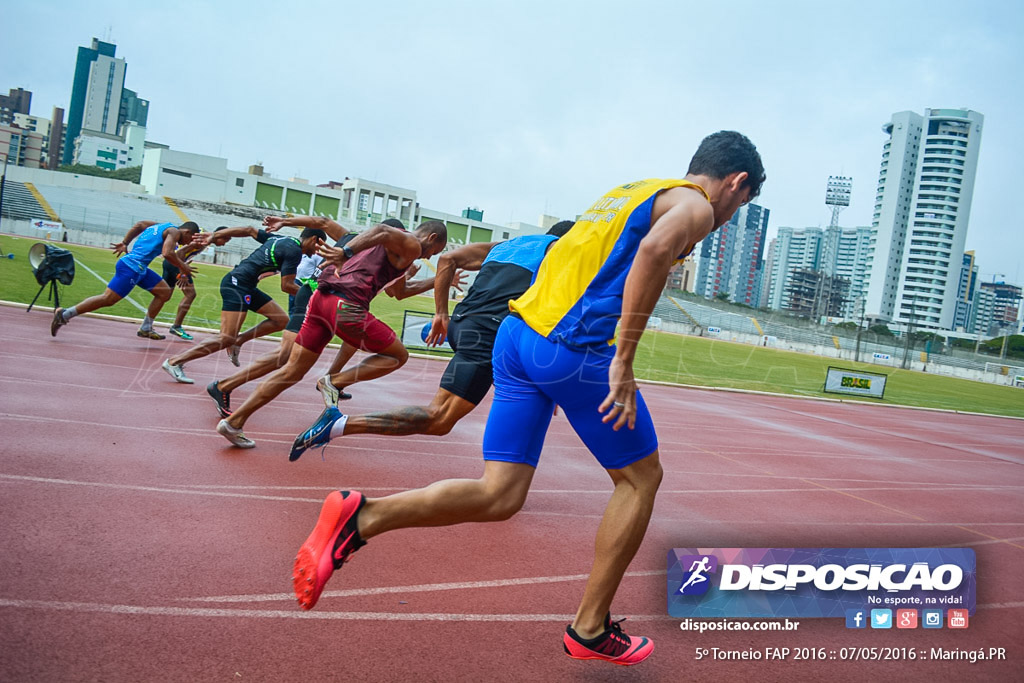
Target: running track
{"x":138,"y":546}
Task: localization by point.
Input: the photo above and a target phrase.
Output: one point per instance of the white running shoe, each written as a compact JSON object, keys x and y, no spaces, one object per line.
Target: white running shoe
{"x":177,"y":372}
{"x":331,"y":393}
{"x":233,"y":352}
{"x":328,"y":391}
{"x":235,"y":436}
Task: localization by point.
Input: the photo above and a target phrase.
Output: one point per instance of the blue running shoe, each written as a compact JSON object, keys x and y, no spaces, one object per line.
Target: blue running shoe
{"x":317,"y":435}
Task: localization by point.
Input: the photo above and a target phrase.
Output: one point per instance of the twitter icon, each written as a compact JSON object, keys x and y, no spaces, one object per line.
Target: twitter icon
{"x":881,"y":618}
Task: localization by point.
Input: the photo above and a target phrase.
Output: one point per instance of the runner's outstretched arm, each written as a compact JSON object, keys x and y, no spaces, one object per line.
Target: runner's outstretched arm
{"x":450,"y":267}
{"x":333,"y":230}
{"x":403,"y":247}
{"x":133,"y":232}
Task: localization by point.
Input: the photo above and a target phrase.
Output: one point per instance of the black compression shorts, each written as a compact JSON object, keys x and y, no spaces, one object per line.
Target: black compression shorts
{"x":469,"y":374}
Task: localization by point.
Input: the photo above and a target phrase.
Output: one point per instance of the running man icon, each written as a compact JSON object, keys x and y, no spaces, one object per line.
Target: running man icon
{"x":697,"y":571}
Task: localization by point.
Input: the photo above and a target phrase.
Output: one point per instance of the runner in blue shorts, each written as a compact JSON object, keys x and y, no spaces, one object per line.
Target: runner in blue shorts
{"x":559,"y":347}
{"x":132,"y":270}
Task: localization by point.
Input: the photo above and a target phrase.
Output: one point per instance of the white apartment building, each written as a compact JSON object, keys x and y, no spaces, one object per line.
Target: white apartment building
{"x":111,"y":152}
{"x":922,"y":208}
{"x":103,"y":95}
{"x":840,"y":252}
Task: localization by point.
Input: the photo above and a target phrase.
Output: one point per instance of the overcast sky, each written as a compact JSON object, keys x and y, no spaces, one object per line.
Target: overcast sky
{"x":523,"y":108}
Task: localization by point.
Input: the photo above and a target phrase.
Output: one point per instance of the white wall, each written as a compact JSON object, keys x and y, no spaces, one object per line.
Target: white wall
{"x":40,"y":176}
{"x":170,"y":173}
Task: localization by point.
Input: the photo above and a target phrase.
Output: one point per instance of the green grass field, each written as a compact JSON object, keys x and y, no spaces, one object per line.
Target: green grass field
{"x":662,"y":356}
{"x":18,"y":284}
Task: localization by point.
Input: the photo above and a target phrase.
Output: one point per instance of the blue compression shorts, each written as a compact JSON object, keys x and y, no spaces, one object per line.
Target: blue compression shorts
{"x":126,"y":278}
{"x":531,"y":376}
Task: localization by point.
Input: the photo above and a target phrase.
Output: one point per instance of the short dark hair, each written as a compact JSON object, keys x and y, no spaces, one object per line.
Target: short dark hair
{"x":189,"y":226}
{"x":560,"y":228}
{"x":726,"y":152}
{"x":313,"y":232}
{"x":393,"y":223}
{"x":434,"y":228}
{"x":222,"y":227}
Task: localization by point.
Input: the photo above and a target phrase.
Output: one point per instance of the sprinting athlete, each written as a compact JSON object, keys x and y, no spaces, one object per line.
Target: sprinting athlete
{"x":306,"y":273}
{"x":240,"y":294}
{"x":506,"y":271}
{"x":352,"y":275}
{"x":559,"y":348}
{"x":175,"y":278}
{"x":151,"y":239}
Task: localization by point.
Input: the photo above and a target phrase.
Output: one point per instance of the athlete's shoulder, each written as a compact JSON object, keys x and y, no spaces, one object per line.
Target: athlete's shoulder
{"x":685,"y":202}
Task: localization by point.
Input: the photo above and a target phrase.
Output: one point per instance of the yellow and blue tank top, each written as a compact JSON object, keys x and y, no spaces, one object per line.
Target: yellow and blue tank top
{"x":577,"y":296}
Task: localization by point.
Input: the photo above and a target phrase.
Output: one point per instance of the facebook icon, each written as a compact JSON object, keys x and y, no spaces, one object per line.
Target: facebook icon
{"x":856,"y":618}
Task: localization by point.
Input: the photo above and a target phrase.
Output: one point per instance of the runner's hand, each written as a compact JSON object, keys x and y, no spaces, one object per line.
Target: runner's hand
{"x":202,"y":240}
{"x":459,"y":279}
{"x":274,"y":223}
{"x":186,"y":272}
{"x":438,"y":330}
{"x":620,"y":403}
{"x":333,"y":256}
{"x":119,"y":248}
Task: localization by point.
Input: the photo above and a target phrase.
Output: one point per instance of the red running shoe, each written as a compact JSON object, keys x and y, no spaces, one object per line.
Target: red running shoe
{"x":612,"y":646}
{"x":335,"y":537}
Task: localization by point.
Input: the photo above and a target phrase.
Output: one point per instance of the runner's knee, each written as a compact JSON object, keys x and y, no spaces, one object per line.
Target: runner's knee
{"x":504,"y":506}
{"x":644,"y":475}
{"x":505,"y":500}
{"x":401,"y":355}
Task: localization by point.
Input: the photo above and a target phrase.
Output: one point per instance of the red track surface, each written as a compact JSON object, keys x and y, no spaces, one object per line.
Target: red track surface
{"x":137,"y":545}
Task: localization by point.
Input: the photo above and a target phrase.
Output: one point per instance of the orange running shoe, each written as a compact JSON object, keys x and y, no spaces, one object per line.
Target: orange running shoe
{"x":612,"y":646}
{"x":335,"y":537}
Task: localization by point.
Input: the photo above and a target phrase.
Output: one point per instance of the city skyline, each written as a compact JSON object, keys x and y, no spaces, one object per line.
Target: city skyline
{"x":445,"y":102}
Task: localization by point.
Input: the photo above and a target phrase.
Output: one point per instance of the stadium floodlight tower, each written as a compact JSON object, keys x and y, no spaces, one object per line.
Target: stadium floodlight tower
{"x":837,"y":196}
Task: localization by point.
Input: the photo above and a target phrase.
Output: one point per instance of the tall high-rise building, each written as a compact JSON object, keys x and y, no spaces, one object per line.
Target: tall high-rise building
{"x":922,"y":207}
{"x":55,"y":145}
{"x":134,"y":109}
{"x":833,"y":251}
{"x":965,"y":293}
{"x":1003,"y":309}
{"x":16,"y":101}
{"x":731,"y":257}
{"x":93,"y":87}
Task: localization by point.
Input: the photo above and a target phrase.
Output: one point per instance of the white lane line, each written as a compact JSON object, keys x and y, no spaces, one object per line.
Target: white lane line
{"x":229,"y":491}
{"x":698,"y":474}
{"x":207,"y":612}
{"x":429,"y":587}
{"x":261,"y":437}
{"x":970,"y":544}
{"x":155,"y":489}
